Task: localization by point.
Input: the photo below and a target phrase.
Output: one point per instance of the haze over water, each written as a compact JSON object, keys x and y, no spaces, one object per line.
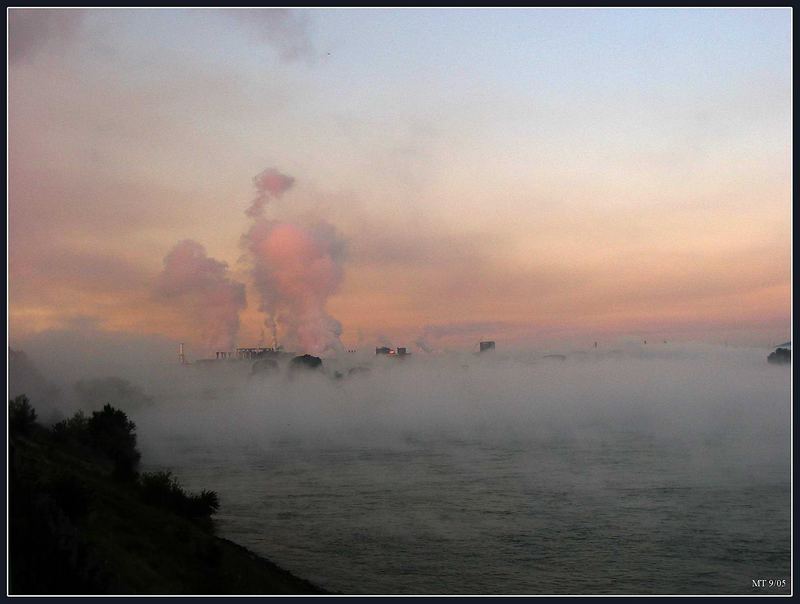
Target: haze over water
{"x":660,"y":470}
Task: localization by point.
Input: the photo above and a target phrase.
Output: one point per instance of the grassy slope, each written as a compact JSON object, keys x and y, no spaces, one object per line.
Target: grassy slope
{"x":116,"y":543}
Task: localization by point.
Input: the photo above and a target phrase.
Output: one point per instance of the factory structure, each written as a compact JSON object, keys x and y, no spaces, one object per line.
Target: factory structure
{"x":392,"y":352}
{"x":252,"y":354}
{"x":262,"y":352}
{"x":238,"y":354}
{"x":249,"y":353}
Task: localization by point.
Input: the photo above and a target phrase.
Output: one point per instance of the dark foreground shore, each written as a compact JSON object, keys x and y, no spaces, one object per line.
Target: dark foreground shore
{"x":78,"y":528}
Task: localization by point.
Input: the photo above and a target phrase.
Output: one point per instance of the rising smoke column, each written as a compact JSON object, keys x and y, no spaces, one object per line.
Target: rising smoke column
{"x":269,"y":183}
{"x":295,"y":270}
{"x":202,"y":288}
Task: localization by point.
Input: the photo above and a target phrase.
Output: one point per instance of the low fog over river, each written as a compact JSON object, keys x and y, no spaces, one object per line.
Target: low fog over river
{"x":649,"y":469}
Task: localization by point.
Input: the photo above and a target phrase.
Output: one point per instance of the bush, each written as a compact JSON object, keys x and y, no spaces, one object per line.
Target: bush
{"x":206,"y":503}
{"x":161,"y":489}
{"x":21,"y":416}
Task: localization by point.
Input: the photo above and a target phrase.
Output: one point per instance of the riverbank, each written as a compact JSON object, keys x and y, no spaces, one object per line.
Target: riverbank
{"x":76,"y":527}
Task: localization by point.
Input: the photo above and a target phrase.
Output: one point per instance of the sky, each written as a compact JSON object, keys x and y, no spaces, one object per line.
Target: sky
{"x":533,"y":176}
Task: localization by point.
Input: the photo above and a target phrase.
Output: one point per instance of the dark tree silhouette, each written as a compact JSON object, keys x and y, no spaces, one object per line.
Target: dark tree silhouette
{"x":74,"y":430}
{"x":112,"y":433}
{"x":161,"y":489}
{"x":21,"y":416}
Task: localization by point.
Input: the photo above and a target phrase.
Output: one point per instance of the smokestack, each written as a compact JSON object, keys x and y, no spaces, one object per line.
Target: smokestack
{"x":181,"y":356}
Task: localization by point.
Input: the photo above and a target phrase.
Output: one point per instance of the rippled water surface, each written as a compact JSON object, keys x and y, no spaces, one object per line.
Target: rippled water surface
{"x":656,"y":507}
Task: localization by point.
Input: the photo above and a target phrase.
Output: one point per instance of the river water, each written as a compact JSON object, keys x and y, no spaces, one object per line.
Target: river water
{"x":672,"y":482}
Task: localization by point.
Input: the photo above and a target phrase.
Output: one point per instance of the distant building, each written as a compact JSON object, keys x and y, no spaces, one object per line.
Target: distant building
{"x":253,"y":353}
{"x":488,"y":345}
{"x":248,"y":354}
{"x":392,"y":352}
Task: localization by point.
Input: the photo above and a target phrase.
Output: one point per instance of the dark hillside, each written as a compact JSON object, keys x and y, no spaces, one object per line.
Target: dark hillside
{"x":82,"y":520}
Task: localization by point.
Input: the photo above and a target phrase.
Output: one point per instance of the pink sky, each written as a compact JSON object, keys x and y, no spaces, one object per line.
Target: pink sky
{"x":509,"y":194}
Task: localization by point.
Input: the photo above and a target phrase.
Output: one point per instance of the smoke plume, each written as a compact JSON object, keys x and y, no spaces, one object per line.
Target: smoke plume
{"x":295,"y":270}
{"x":202,"y":288}
{"x":269,"y":183}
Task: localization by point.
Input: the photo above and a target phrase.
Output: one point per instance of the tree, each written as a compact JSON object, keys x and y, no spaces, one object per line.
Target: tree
{"x":113,"y":434}
{"x":74,"y":429}
{"x":21,"y":416}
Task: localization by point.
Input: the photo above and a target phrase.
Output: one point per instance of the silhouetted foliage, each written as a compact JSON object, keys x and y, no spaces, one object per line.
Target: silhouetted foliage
{"x":21,"y":416}
{"x":207,"y":502}
{"x":112,"y":433}
{"x":74,"y":430}
{"x":162,"y":489}
{"x":72,"y":530}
